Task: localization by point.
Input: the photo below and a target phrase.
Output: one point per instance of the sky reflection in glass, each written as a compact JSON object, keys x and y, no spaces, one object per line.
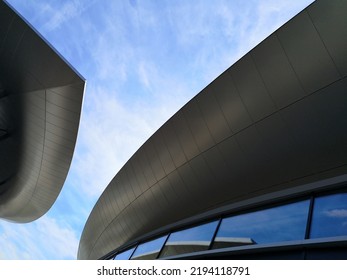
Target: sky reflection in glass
{"x":190,"y":240}
{"x":282,"y":223}
{"x":329,"y":216}
{"x":150,"y":249}
{"x":199,"y":233}
{"x":124,"y":255}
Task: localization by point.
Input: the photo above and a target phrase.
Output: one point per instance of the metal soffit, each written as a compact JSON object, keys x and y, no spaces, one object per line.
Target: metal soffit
{"x":40,"y":105}
{"x":274,"y":119}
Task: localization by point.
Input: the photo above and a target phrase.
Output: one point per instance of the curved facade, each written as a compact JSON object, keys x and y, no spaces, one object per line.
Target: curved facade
{"x":270,"y":128}
{"x":40,"y":106}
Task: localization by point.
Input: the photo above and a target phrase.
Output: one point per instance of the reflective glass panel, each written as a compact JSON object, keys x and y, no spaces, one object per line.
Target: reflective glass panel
{"x":189,"y":240}
{"x":149,"y":250}
{"x":329,"y":216}
{"x":124,"y":255}
{"x":282,"y":223}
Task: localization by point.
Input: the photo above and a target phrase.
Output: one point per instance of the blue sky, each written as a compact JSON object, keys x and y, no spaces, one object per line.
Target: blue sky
{"x":142,"y":60}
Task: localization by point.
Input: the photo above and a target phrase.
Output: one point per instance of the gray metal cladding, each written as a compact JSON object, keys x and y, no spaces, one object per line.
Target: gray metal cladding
{"x":331,"y":30}
{"x":277,"y":72}
{"x":46,"y":96}
{"x":273,"y":120}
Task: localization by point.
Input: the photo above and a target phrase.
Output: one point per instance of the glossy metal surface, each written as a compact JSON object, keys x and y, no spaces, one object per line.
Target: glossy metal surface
{"x":40,"y":106}
{"x":275,"y":119}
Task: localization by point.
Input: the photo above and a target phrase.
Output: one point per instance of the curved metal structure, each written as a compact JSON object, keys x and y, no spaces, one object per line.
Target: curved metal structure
{"x":40,"y":106}
{"x":274,"y":121}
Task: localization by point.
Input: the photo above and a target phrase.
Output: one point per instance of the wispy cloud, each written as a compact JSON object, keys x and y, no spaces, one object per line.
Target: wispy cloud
{"x":44,"y":239}
{"x":336,"y":213}
{"x":63,"y":13}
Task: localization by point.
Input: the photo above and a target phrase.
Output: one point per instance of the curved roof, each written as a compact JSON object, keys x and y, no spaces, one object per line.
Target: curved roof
{"x":40,"y":105}
{"x":275,"y":119}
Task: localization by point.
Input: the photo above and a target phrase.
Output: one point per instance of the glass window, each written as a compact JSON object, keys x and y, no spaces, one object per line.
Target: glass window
{"x":329,"y":216}
{"x":190,"y":240}
{"x":124,"y":255}
{"x":282,"y":223}
{"x":149,"y":250}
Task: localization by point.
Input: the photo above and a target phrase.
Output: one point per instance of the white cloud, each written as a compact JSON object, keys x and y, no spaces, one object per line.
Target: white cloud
{"x":45,"y":238}
{"x":64,"y":13}
{"x":110,"y":57}
{"x":144,"y":73}
{"x":336,"y":213}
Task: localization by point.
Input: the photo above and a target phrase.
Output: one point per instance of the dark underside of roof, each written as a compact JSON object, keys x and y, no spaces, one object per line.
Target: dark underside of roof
{"x":40,"y":106}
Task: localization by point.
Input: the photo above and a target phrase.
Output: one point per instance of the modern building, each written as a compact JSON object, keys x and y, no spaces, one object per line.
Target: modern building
{"x":253,"y":167}
{"x":40,"y":105}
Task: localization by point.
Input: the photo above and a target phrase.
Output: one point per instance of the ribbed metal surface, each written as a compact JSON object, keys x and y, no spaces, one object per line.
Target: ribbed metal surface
{"x":40,"y":108}
{"x":278,"y":115}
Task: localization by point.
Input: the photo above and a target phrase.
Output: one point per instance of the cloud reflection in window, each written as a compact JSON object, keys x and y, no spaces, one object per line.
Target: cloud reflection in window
{"x":282,"y":223}
{"x":329,"y":216}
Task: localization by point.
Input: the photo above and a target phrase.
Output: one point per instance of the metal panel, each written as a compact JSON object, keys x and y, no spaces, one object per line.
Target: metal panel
{"x":146,"y":167}
{"x":6,"y":20}
{"x":124,"y":186}
{"x":313,"y":123}
{"x":141,"y":179}
{"x":62,"y":132}
{"x":186,"y":173}
{"x":214,"y":159}
{"x":168,"y":191}
{"x":212,"y":114}
{"x":13,"y":38}
{"x":332,"y":30}
{"x":277,"y":73}
{"x":47,"y":75}
{"x":154,"y":161}
{"x":307,"y":53}
{"x":159,"y":198}
{"x":173,"y":144}
{"x":179,"y":187}
{"x":151,"y":203}
{"x":185,"y":136}
{"x":197,"y":126}
{"x":71,"y":92}
{"x":257,"y":157}
{"x":254,"y":95}
{"x":200,"y":170}
{"x":62,"y":115}
{"x":136,"y":216}
{"x":231,"y":103}
{"x":114,"y":197}
{"x":164,"y":155}
{"x":132,"y":179}
{"x":235,"y":160}
{"x":278,"y":139}
{"x":329,"y":114}
{"x":121,"y":195}
{"x":63,"y":100}
{"x":60,"y":122}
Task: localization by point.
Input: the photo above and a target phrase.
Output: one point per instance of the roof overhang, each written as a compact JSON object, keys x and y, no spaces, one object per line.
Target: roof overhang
{"x":40,"y":105}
